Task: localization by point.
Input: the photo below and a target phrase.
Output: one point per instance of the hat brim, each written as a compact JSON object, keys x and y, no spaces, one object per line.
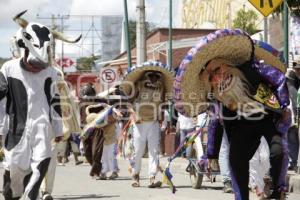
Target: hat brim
{"x":99,"y":120}
{"x":189,"y":92}
{"x":131,"y":78}
{"x":269,"y":55}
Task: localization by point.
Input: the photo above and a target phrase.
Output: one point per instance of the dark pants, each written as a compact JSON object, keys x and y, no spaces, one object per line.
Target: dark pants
{"x":93,"y":149}
{"x":293,"y":142}
{"x":244,"y":138}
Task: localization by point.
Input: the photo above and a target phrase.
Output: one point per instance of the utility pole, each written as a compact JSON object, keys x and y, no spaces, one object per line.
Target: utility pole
{"x":127,"y":36}
{"x":229,"y":20}
{"x":53,"y":26}
{"x":140,"y":32}
{"x":170,"y":35}
{"x":62,"y":45}
{"x":286,"y":32}
{"x":266,"y":30}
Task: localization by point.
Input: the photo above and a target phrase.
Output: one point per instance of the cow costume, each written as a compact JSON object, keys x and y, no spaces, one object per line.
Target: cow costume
{"x":243,"y":85}
{"x":29,"y":94}
{"x":147,"y":86}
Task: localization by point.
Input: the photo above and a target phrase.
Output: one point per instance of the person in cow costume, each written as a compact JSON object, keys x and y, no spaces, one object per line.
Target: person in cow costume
{"x":147,"y":87}
{"x":242,"y":83}
{"x":29,"y":93}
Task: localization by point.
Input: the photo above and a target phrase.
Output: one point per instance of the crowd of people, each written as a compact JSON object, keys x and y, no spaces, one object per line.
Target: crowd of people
{"x":229,"y":86}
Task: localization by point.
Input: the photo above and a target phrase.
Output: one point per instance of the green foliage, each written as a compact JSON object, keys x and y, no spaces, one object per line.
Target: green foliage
{"x":132,"y":31}
{"x":86,"y":63}
{"x":246,"y":20}
{"x":2,"y":61}
{"x":294,"y":6}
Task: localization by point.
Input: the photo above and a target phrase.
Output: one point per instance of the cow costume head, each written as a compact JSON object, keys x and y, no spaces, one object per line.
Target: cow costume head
{"x":36,"y":40}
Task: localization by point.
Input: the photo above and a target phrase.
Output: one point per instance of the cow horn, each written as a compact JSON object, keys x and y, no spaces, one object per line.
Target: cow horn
{"x":60,"y":36}
{"x":22,"y":22}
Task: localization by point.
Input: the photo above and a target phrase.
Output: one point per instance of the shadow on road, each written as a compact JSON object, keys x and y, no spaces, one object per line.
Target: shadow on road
{"x":89,"y":196}
{"x":211,"y":188}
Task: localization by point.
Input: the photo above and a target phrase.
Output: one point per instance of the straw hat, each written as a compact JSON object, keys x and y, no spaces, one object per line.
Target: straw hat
{"x":113,"y":93}
{"x":233,"y":45}
{"x":95,"y":117}
{"x":136,"y":72}
{"x":296,"y":62}
{"x":264,"y":51}
{"x":188,"y":90}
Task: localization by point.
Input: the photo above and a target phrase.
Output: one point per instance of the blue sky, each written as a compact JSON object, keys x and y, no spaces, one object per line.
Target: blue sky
{"x":156,"y":12}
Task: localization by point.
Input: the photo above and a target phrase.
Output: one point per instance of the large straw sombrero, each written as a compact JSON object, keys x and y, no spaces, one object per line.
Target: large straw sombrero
{"x":269,"y":55}
{"x":96,"y":117}
{"x":233,"y":45}
{"x":113,"y":93}
{"x":136,"y":72}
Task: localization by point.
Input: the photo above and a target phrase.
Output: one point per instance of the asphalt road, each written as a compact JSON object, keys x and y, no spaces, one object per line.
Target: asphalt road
{"x":72,"y":183}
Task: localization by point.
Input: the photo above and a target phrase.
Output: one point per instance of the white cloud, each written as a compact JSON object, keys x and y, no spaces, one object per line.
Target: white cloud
{"x":156,"y":12}
{"x":101,"y":7}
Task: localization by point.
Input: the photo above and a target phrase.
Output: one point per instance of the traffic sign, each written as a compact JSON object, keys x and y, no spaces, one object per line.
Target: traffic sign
{"x":65,"y":62}
{"x":265,"y":7}
{"x":108,"y":75}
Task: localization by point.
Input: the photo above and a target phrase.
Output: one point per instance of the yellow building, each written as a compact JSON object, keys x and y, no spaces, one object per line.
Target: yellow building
{"x":211,"y":13}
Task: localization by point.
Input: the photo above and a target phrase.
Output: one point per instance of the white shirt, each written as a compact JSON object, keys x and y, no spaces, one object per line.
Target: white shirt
{"x":185,"y":122}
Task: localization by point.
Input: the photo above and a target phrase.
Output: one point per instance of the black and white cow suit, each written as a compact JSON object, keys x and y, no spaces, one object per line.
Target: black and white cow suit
{"x":29,"y":97}
{"x":32,"y":107}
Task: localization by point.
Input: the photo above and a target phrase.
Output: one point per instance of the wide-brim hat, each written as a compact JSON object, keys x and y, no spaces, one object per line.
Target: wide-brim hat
{"x":113,"y":93}
{"x":96,"y":117}
{"x":269,"y":55}
{"x":233,"y":45}
{"x":136,"y":72}
{"x":189,"y":93}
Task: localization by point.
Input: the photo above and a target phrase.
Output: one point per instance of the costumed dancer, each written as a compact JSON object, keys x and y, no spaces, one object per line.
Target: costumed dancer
{"x":28,"y":85}
{"x":70,"y":124}
{"x":259,"y":168}
{"x":293,"y":83}
{"x":147,"y":87}
{"x":251,"y":100}
{"x":101,"y":120}
{"x":111,"y":135}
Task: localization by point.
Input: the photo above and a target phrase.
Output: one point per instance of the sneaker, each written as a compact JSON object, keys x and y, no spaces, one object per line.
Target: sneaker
{"x":113,"y":176}
{"x":102,"y":177}
{"x":227,"y":187}
{"x":277,"y":195}
{"x":136,"y":180}
{"x":154,"y":184}
{"x":297,"y":170}
{"x":78,"y":162}
{"x":292,"y":168}
{"x":46,"y":196}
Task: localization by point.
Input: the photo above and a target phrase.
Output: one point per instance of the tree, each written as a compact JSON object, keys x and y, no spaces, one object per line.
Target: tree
{"x":2,"y":61}
{"x":86,"y":63}
{"x":294,"y":6}
{"x":246,"y":20}
{"x":132,"y":31}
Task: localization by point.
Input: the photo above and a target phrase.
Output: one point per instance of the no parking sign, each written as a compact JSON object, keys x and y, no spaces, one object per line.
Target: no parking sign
{"x":108,"y":75}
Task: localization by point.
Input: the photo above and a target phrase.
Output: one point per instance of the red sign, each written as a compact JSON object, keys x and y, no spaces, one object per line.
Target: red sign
{"x":65,"y":62}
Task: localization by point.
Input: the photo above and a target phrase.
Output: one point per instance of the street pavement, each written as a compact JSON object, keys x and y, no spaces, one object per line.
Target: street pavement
{"x":73,"y":183}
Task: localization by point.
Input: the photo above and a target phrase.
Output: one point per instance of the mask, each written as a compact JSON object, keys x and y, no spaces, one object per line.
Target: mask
{"x":36,"y":39}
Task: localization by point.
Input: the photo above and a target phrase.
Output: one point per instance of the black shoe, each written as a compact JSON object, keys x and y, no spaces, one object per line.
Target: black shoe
{"x":227,"y":187}
{"x":292,"y":168}
{"x":277,"y":195}
{"x":46,"y":196}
